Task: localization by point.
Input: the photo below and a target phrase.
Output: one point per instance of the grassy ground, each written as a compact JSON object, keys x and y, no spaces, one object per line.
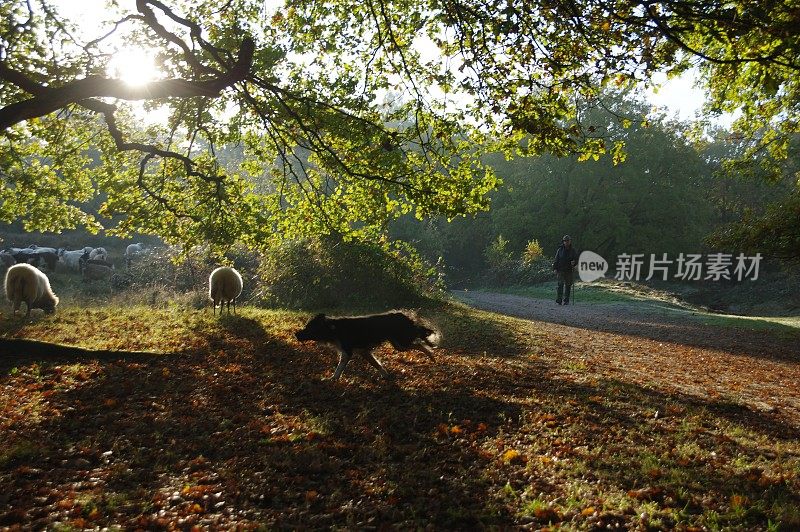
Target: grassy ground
{"x":598,"y":292}
{"x":232,"y":424}
{"x":641,"y":297}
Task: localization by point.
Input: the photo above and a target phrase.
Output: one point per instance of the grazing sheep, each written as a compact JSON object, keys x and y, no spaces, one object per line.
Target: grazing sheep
{"x":49,"y":258}
{"x":131,"y":252}
{"x":224,"y":286}
{"x":40,"y":249}
{"x":23,"y":255}
{"x":72,"y":259}
{"x":26,"y":283}
{"x":98,"y":254}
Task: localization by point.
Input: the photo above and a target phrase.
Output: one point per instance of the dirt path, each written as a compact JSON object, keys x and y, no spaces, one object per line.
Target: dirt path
{"x":665,"y":348}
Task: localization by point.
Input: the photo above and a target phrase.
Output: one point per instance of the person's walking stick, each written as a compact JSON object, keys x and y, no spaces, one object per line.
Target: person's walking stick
{"x":574,"y":285}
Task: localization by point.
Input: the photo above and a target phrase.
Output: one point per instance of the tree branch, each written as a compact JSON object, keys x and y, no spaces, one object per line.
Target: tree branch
{"x":661,"y":23}
{"x":47,"y":100}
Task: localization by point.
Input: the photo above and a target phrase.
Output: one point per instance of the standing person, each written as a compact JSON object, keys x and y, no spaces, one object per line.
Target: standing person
{"x":566,"y":259}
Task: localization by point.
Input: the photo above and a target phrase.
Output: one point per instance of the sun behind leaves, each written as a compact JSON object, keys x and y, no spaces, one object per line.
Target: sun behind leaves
{"x":327,"y":118}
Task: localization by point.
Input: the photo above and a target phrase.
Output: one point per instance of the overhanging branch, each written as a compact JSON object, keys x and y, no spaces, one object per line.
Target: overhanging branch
{"x":46,"y":100}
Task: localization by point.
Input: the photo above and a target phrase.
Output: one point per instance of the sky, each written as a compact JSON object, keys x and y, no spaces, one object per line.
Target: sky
{"x":678,"y":97}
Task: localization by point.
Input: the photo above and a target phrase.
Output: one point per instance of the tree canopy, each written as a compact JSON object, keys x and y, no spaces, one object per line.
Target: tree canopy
{"x":665,"y":198}
{"x":347,"y":113}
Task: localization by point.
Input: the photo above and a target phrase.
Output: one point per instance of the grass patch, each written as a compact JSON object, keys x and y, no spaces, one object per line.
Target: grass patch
{"x":789,"y":324}
{"x":581,"y":292}
{"x":235,"y":425}
{"x":635,"y":297}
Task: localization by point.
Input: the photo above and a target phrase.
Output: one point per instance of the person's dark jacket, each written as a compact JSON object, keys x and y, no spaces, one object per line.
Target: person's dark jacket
{"x":565,"y":259}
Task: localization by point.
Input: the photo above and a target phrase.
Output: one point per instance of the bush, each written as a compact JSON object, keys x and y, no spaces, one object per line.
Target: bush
{"x":537,"y":271}
{"x":158,"y":279}
{"x":500,"y":262}
{"x":329,"y":273}
{"x":313,"y":274}
{"x":533,"y":251}
{"x":504,"y":270}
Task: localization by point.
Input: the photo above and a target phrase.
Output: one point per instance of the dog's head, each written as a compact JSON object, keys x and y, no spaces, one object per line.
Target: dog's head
{"x":318,"y":328}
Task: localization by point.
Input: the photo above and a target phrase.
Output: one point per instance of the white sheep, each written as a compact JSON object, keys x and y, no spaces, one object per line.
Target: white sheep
{"x":224,"y":286}
{"x":98,"y":254}
{"x":72,"y":259}
{"x":131,"y":252}
{"x":28,"y":284}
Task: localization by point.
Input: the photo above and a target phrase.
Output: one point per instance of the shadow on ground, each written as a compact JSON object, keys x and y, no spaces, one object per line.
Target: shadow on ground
{"x":248,"y":431}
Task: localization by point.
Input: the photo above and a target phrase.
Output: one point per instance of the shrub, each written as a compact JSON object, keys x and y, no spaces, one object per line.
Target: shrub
{"x":158,"y":278}
{"x":500,"y":262}
{"x":328,"y":272}
{"x":537,"y":271}
{"x":503,"y":269}
{"x":533,"y":251}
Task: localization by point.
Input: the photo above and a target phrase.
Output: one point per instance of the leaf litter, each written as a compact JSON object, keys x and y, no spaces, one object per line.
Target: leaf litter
{"x":518,"y":424}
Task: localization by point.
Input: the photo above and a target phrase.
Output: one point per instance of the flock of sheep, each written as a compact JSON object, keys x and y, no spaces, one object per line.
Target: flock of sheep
{"x":91,"y":263}
{"x":26,"y":282}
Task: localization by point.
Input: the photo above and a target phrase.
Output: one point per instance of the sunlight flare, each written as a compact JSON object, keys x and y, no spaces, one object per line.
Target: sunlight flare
{"x":135,"y":67}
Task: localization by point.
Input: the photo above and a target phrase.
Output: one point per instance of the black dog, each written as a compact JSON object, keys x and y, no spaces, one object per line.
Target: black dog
{"x":404,"y":330}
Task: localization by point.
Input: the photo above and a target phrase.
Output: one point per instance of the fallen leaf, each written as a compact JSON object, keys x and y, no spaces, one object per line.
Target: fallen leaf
{"x":546,"y":514}
{"x":511,"y":455}
{"x":645,"y":494}
{"x":738,"y":501}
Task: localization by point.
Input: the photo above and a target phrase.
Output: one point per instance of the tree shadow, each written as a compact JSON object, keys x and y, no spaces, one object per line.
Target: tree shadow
{"x":255,"y":420}
{"x":20,"y":351}
{"x":250,"y":423}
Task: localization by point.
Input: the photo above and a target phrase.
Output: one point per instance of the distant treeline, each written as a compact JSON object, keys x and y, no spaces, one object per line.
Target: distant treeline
{"x":669,"y":196}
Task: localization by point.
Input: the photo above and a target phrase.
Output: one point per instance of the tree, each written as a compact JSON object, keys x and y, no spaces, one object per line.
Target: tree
{"x":775,"y":231}
{"x":760,"y":209}
{"x":661,"y":199}
{"x":304,"y":90}
{"x":500,"y":260}
{"x":528,"y":65}
{"x":319,"y":155}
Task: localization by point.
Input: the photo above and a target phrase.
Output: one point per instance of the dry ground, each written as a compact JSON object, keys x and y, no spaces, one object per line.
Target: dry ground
{"x":668,"y":349}
{"x":519,"y":424}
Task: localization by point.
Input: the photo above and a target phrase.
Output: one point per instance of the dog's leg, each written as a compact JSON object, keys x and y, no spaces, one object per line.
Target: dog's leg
{"x":427,"y":349}
{"x":344,"y":357}
{"x":374,"y":361}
